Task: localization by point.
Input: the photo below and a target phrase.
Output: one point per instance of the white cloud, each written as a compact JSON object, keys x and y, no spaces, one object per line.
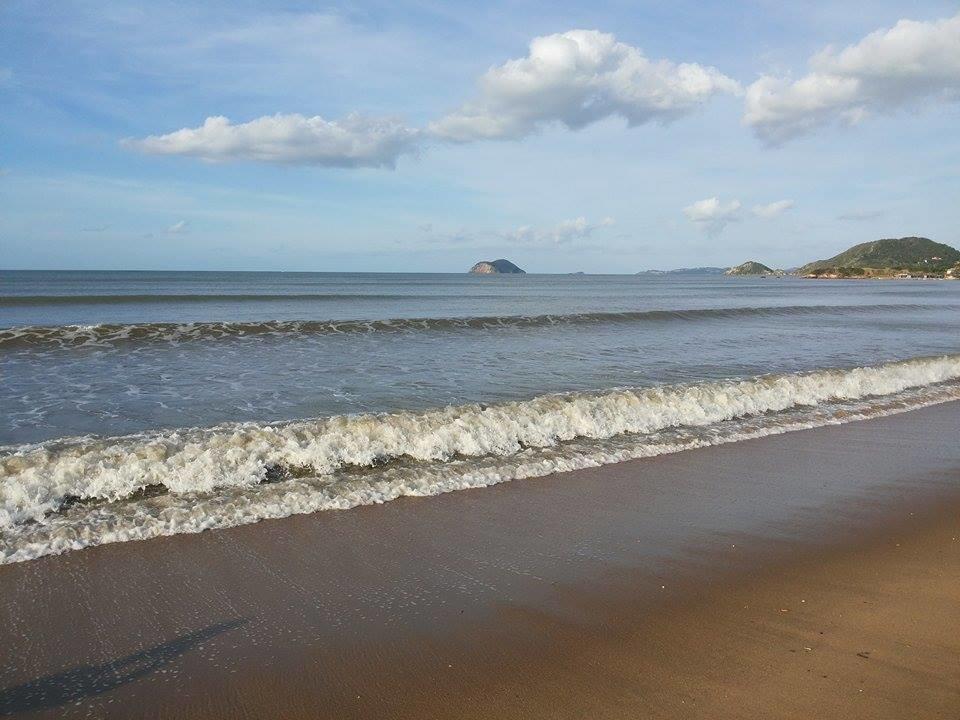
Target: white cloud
{"x":576,"y":78}
{"x":772,"y":210}
{"x":564,"y":232}
{"x":355,"y":141}
{"x":712,"y":216}
{"x":178,"y":228}
{"x":888,"y":69}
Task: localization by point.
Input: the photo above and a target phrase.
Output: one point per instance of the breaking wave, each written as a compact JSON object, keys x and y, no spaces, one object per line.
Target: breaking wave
{"x":77,"y":492}
{"x":110,"y":334}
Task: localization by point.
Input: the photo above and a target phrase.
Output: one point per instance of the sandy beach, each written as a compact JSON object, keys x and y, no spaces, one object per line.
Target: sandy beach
{"x":811,"y":574}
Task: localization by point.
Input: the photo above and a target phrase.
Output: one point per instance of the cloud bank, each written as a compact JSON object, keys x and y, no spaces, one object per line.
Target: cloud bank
{"x":355,"y":141}
{"x":887,"y":70}
{"x":577,"y":78}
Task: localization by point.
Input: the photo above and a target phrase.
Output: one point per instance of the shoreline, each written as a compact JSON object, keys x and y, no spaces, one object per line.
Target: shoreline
{"x":872,"y":277}
{"x":616,"y":591}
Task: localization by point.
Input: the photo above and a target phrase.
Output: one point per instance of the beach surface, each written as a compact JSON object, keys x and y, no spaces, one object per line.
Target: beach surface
{"x":810,"y":574}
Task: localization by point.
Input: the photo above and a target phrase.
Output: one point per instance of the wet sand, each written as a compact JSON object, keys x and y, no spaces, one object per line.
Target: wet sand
{"x":813,"y":574}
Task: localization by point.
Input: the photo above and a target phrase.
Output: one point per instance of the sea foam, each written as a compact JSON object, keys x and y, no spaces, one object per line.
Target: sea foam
{"x":77,"y":492}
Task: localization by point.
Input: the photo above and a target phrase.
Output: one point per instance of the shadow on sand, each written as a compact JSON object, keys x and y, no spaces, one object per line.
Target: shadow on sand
{"x":51,"y":691}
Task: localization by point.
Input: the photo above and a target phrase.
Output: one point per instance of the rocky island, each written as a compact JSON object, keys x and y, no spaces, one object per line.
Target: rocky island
{"x":686,"y":271}
{"x":752,"y":267}
{"x":496,"y":267}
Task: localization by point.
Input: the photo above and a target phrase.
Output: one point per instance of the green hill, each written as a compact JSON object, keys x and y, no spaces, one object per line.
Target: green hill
{"x":907,"y":253}
{"x":751,"y":267}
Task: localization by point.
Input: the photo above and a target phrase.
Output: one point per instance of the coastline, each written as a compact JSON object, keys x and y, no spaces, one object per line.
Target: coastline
{"x":874,"y":277}
{"x":616,"y":591}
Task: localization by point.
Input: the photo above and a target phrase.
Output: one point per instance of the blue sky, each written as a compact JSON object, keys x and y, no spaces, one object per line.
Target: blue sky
{"x":428,"y":135}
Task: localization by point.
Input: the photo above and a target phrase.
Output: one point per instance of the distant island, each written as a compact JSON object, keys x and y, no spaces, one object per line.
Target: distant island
{"x":752,"y":267}
{"x":686,"y":271}
{"x":906,"y":257}
{"x":891,"y":257}
{"x":495,"y":267}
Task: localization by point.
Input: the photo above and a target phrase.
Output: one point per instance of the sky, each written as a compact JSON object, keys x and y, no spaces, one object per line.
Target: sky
{"x":601,"y":137}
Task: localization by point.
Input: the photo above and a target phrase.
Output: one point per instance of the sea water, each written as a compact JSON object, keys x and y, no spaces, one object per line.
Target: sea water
{"x":142,"y":404}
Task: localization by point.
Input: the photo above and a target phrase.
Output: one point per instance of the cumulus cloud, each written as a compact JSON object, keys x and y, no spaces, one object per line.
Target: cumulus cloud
{"x":711,"y":215}
{"x":887,"y":70}
{"x":564,"y":232}
{"x":355,"y":141}
{"x":572,"y":79}
{"x":178,"y":228}
{"x":772,"y":210}
{"x":577,"y":78}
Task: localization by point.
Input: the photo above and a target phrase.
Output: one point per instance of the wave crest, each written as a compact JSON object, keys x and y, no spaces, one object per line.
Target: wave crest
{"x":40,"y":479}
{"x":111,"y":334}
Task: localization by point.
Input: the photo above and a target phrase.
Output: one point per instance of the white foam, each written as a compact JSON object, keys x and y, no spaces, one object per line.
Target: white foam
{"x":218,"y":470}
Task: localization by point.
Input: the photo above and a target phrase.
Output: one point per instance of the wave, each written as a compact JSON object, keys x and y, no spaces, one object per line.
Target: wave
{"x":76,"y":492}
{"x":109,"y":334}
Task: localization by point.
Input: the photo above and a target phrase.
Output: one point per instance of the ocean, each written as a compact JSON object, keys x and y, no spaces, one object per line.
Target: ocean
{"x":138,"y":404}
